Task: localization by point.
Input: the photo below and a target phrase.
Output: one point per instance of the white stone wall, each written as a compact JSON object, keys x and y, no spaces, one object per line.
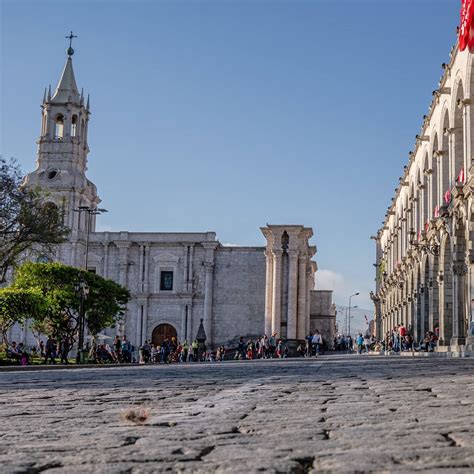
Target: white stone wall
{"x":323,"y":317}
{"x":239,"y":293}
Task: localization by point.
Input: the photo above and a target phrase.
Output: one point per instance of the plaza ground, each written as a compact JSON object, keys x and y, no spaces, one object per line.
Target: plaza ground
{"x":336,"y":413}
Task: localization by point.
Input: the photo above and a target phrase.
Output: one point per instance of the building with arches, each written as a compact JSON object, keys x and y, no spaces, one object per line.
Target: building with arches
{"x":177,"y":279}
{"x":425,"y":258}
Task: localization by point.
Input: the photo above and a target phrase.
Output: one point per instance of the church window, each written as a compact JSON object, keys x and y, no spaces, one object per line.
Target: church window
{"x":52,"y":174}
{"x":166,"y":281}
{"x":74,"y":126}
{"x":59,"y":130}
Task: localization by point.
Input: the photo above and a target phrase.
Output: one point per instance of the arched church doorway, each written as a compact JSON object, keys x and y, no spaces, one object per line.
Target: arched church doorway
{"x":162,"y":332}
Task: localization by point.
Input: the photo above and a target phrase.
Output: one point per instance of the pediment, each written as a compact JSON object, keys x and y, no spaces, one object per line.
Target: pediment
{"x":165,"y":257}
{"x":94,"y":258}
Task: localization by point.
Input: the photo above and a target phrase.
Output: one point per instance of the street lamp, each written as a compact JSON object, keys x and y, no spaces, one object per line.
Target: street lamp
{"x":81,"y":286}
{"x":89,"y":211}
{"x":82,"y":289}
{"x":350,"y":298}
{"x":351,"y":317}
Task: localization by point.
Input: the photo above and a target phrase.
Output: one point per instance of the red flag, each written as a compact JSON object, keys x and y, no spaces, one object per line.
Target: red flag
{"x":427,"y":224}
{"x":447,"y":197}
{"x":466,"y":27}
{"x":436,"y":212}
{"x":460,"y":179}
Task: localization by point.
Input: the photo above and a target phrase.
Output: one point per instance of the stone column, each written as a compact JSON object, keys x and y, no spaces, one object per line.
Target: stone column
{"x":292,"y":294}
{"x":105,"y":269}
{"x":302,"y":295}
{"x":208,"y":286}
{"x":182,"y":335}
{"x":189,"y":331}
{"x":141,"y":266}
{"x":466,"y":116}
{"x":450,"y":159}
{"x":190,"y":268}
{"x":123,"y":270}
{"x":459,"y":272}
{"x":185,"y":269}
{"x":210,"y":248}
{"x":309,"y":286}
{"x":268,"y":292}
{"x":276,"y":303}
{"x":146,"y":277}
{"x":470,"y":287}
{"x":142,"y":317}
{"x":123,"y":262}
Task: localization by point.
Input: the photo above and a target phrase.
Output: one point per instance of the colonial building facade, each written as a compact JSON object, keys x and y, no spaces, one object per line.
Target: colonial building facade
{"x":425,"y":255}
{"x":176,"y":280}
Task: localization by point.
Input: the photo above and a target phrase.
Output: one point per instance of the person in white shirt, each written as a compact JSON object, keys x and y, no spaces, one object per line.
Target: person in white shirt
{"x":316,"y":341}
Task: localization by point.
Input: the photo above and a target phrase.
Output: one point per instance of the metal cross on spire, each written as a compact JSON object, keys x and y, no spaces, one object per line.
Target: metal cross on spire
{"x":70,"y":51}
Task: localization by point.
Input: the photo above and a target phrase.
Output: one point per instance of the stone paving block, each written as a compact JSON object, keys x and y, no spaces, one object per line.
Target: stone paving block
{"x":340,"y":414}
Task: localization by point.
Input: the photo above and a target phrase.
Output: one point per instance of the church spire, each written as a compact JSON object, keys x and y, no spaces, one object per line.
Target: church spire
{"x":66,"y":90}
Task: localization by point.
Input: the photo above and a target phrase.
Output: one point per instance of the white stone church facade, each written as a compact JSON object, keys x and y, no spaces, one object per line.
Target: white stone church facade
{"x":175,"y":279}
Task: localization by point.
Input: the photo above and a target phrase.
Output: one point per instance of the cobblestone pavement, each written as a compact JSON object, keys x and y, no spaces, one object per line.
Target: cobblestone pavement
{"x":336,"y":413}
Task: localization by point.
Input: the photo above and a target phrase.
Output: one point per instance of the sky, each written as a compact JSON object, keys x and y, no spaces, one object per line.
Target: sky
{"x":227,"y":115}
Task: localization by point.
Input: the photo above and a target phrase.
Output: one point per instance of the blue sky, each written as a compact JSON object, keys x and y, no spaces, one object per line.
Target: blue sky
{"x":227,"y":115}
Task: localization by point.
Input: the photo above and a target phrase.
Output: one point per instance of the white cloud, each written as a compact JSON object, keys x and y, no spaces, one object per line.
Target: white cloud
{"x":343,"y":288}
{"x":328,"y":280}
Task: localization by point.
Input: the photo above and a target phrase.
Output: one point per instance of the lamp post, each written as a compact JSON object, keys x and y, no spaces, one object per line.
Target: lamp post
{"x":82,"y":289}
{"x":350,"y":298}
{"x":89,"y":211}
{"x":81,"y":286}
{"x":351,"y":317}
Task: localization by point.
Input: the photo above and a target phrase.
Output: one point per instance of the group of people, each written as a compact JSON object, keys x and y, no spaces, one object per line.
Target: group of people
{"x":169,"y":351}
{"x":122,"y":351}
{"x":262,"y":347}
{"x":47,"y":352}
{"x":399,"y":339}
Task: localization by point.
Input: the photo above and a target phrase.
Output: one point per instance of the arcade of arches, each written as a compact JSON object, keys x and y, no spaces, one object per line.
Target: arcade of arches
{"x":425,"y":256}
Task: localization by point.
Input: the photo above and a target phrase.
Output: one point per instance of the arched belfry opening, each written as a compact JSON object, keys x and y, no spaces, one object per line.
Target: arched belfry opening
{"x":74,"y":126}
{"x":59,"y":127}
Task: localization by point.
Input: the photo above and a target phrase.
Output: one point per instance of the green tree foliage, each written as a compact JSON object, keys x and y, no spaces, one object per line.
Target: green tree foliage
{"x":17,"y":305}
{"x":104,"y":305}
{"x":27,"y":221}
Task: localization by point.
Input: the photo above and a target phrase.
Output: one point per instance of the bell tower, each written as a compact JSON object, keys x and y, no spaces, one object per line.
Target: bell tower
{"x":61,"y":163}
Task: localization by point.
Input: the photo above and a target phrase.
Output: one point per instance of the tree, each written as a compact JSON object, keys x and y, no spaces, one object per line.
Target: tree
{"x":27,"y":220}
{"x":105,"y":304}
{"x":17,"y":305}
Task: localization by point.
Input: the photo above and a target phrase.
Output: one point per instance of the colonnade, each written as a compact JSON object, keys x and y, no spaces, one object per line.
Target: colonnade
{"x":424,"y":249}
{"x":289,"y":280}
